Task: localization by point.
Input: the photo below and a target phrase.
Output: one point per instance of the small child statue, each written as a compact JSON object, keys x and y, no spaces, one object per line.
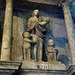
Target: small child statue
{"x":51,"y":51}
{"x":27,"y":45}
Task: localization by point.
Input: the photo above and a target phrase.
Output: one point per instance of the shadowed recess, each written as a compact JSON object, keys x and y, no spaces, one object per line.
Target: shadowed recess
{"x":65,"y":60}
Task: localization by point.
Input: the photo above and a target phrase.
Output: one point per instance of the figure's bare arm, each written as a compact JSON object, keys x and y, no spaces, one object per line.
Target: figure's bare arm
{"x":44,"y":22}
{"x":28,"y":40}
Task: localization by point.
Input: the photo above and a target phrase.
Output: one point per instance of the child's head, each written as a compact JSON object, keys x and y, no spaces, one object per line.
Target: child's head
{"x":46,"y":18}
{"x":26,"y":34}
{"x":50,"y":42}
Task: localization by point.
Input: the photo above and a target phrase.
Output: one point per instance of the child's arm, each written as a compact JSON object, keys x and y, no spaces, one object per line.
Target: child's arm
{"x":44,"y":22}
{"x":28,"y":40}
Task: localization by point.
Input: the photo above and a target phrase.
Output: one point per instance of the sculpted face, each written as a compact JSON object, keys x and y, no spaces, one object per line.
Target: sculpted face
{"x":36,"y":12}
{"x":50,"y":42}
{"x":26,"y":34}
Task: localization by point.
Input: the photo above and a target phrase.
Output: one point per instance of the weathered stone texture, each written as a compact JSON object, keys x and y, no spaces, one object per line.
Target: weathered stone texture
{"x":7,"y":32}
{"x":42,"y":65}
{"x":70,"y":31}
{"x":14,"y":38}
{"x":18,"y":29}
{"x":41,"y":72}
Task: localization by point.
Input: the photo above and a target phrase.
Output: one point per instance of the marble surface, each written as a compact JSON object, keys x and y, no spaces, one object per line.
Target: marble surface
{"x":43,"y":65}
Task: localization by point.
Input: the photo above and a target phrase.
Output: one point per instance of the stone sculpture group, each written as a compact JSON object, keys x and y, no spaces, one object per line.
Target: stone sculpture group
{"x":33,"y":39}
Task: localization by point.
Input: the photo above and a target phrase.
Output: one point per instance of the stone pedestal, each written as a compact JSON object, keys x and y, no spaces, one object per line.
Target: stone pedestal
{"x":42,"y":68}
{"x":7,"y":32}
{"x":34,"y":68}
{"x":43,"y":65}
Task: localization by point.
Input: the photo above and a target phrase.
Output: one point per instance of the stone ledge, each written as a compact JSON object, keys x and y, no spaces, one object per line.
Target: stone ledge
{"x":9,"y":65}
{"x":42,"y":72}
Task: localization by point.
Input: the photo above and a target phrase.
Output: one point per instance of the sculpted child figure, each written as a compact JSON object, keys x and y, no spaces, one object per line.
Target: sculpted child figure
{"x":51,"y":51}
{"x":27,"y":45}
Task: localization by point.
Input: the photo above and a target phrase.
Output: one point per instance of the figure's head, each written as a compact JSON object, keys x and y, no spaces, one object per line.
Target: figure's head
{"x":35,"y":13}
{"x":26,"y":35}
{"x":46,"y":18}
{"x":50,"y":42}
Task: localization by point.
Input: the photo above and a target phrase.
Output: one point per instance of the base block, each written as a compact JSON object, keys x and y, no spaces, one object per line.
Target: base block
{"x":43,"y":65}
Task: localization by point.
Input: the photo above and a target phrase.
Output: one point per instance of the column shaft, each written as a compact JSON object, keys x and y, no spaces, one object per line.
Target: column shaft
{"x":7,"y":32}
{"x":70,"y":31}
